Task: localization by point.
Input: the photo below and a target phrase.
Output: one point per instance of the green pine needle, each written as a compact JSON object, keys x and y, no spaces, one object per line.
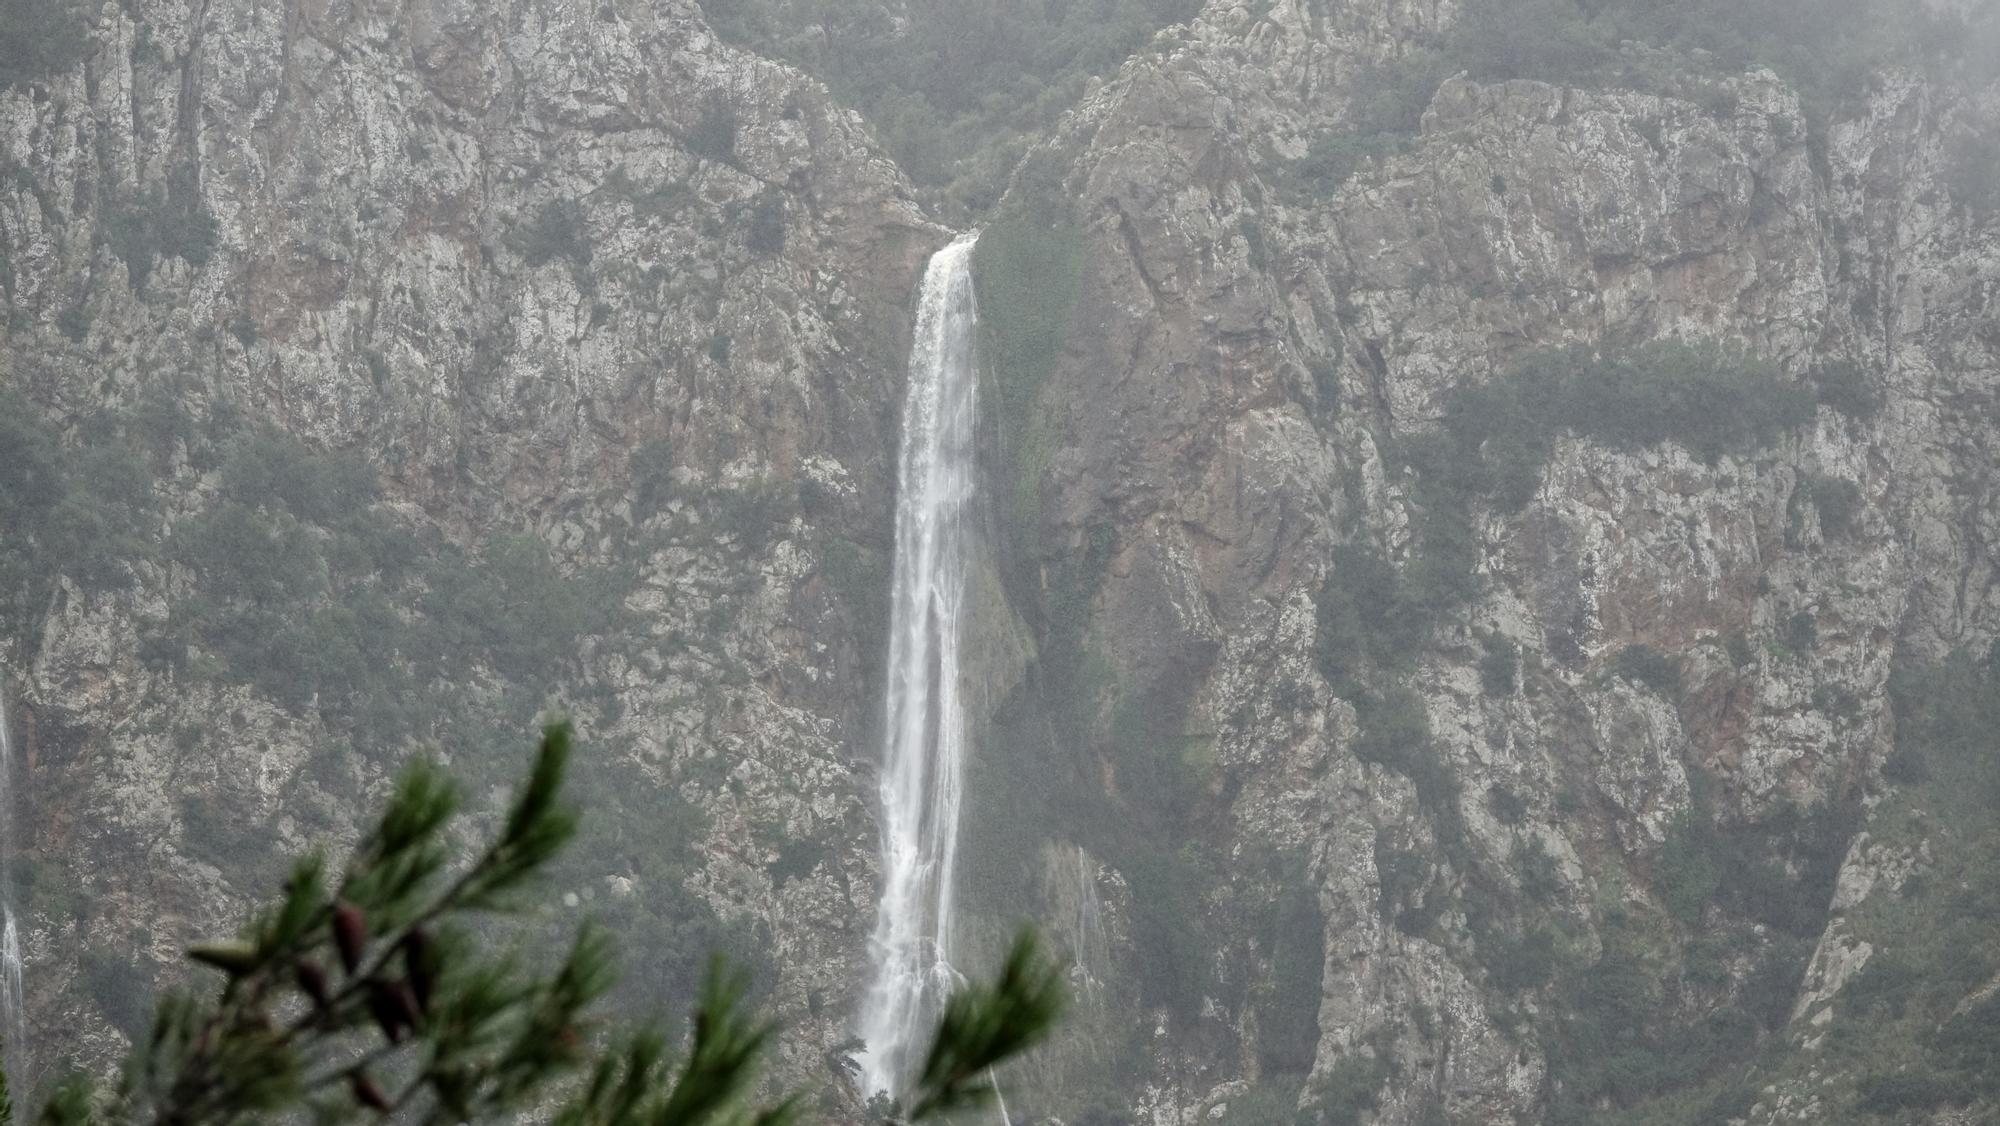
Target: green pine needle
{"x":984,"y":1025}
{"x":537,"y":827}
{"x":391,"y":1001}
{"x":719,"y":1064}
{"x":303,"y":908}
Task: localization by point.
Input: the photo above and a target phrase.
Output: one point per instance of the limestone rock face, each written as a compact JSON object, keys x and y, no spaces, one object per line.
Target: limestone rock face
{"x":499,"y":249}
{"x":1247,"y":361}
{"x":582,"y":271}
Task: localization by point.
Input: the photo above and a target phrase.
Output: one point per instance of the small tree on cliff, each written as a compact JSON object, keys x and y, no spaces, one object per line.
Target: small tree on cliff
{"x":363,"y":994}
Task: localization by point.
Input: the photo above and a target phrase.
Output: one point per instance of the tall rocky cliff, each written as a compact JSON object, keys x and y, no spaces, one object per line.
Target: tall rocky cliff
{"x":1483,"y":622}
{"x":571,"y":272}
{"x":1601,"y":830}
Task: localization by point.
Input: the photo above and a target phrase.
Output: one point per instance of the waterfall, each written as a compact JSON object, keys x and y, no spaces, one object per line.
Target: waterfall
{"x":1093,"y":945}
{"x":13,"y":1015}
{"x":923,"y":757}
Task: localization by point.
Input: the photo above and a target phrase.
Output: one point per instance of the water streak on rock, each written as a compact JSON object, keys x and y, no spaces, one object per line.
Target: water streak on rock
{"x":13,"y":1017}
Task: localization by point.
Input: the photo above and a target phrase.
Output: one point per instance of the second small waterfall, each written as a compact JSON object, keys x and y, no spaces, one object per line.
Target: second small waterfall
{"x":924,"y":742}
{"x":13,"y":1014}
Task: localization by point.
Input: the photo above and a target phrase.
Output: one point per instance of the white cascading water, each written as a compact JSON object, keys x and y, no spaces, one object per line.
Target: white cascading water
{"x":1093,"y":945}
{"x":13,"y":1015}
{"x":924,"y":735}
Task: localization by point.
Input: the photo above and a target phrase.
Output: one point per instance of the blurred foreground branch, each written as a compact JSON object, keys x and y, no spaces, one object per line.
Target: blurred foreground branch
{"x":366,"y":995}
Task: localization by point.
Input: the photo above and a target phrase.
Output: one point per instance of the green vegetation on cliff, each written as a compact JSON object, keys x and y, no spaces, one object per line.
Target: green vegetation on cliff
{"x":40,"y":38}
{"x":84,"y":512}
{"x":954,"y":88}
{"x":1650,"y":1024}
{"x":1027,"y":267}
{"x":298,"y":579}
{"x":294,"y":577}
{"x":1497,"y":435}
{"x":1490,"y":451}
{"x":306,"y":586}
{"x":1918,"y":1028}
{"x":1826,"y":49}
{"x":1914,"y":1032}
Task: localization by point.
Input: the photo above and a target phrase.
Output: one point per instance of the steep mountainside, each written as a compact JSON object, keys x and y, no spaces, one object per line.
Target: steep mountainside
{"x":1493,"y":529}
{"x":1374,"y":534}
{"x":581,"y":333}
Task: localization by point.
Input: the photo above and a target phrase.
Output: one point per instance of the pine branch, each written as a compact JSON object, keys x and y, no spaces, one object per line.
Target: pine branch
{"x":373,"y":999}
{"x":984,"y":1025}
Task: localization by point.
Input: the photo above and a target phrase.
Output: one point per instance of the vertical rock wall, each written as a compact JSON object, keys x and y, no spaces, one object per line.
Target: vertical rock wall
{"x":498,"y":252}
{"x":1253,"y":355}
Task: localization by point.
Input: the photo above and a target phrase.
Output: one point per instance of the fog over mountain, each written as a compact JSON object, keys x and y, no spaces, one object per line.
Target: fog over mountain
{"x":1446,"y":553}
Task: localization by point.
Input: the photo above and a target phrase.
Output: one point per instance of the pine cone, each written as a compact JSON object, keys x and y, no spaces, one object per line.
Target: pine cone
{"x":350,"y":934}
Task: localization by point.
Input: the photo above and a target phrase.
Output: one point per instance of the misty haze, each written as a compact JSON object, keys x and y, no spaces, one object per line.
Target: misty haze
{"x":1023,"y":562}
